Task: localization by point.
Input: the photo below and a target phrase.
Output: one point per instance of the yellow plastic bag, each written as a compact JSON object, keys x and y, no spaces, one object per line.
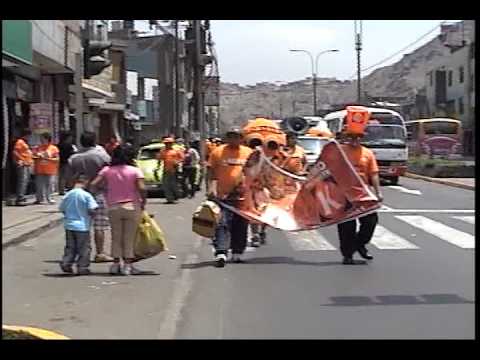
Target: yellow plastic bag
{"x":150,"y":239}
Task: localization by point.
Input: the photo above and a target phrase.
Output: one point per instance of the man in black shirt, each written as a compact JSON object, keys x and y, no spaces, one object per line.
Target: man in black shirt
{"x":66,"y":149}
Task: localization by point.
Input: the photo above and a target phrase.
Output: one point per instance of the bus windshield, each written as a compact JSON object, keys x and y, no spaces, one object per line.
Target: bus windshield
{"x":384,"y":135}
{"x":386,"y":119}
{"x":440,"y":128}
{"x":310,"y":145}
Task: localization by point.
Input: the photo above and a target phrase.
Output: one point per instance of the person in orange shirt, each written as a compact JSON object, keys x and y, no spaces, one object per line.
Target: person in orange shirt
{"x":171,"y":160}
{"x":47,"y":157}
{"x":365,"y":164}
{"x":22,"y":156}
{"x":225,"y":181}
{"x":296,"y":160}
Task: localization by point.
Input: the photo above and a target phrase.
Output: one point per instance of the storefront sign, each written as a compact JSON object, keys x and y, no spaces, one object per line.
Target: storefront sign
{"x":41,"y":117}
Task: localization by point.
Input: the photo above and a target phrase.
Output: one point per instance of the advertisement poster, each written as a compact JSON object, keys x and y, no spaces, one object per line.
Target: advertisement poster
{"x":41,"y":115}
{"x":331,"y":193}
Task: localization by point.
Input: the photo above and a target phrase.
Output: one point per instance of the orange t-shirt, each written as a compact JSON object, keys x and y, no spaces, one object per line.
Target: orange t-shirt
{"x":227,"y":165}
{"x":363,"y":160}
{"x":47,"y":166}
{"x":23,"y":152}
{"x":171,"y":158}
{"x":294,"y":162}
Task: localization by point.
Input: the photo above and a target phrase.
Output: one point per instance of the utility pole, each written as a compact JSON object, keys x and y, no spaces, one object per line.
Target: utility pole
{"x":358,"y":43}
{"x":78,"y":97}
{"x":199,"y":112}
{"x":176,"y":95}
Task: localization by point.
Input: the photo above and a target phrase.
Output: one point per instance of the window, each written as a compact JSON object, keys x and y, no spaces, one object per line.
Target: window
{"x":440,"y":128}
{"x":430,"y":78}
{"x":450,"y":75}
{"x":460,"y":74}
{"x":460,"y":105}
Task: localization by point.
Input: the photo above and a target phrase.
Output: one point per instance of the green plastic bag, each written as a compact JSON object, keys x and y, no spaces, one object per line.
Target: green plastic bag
{"x":150,"y":239}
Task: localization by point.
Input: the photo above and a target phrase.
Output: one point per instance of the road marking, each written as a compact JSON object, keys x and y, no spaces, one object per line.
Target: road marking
{"x":444,"y":232}
{"x":384,"y":239}
{"x":309,"y":240}
{"x":452,"y":211}
{"x":405,"y":190}
{"x":468,"y":219}
{"x":173,"y":312}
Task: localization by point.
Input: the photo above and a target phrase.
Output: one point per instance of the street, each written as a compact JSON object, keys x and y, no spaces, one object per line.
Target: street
{"x":420,"y":284}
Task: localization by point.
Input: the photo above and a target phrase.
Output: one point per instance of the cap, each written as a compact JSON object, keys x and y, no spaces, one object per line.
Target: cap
{"x":168,"y":140}
{"x":234,"y":130}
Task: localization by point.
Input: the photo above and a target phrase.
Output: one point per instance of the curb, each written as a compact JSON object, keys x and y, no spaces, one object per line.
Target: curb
{"x":31,"y":234}
{"x":439,"y":181}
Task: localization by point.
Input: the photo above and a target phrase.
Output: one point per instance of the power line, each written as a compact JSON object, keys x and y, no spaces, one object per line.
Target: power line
{"x":402,"y":50}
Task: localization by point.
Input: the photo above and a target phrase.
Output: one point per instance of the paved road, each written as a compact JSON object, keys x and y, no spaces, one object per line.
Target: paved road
{"x":419,"y":286}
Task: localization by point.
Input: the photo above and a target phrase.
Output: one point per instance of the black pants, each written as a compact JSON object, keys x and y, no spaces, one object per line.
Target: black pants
{"x":350,"y":239}
{"x":189,"y":176}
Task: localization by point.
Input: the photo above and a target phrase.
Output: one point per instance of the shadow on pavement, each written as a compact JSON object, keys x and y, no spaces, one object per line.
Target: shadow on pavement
{"x":264,"y":260}
{"x":102,"y":274}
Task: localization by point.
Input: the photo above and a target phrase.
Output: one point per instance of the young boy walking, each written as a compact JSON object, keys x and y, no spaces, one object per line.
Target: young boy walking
{"x":78,"y":207}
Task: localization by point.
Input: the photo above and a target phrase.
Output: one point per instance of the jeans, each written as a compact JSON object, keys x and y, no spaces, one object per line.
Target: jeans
{"x":23,"y":177}
{"x":231,"y":231}
{"x":189,"y":177}
{"x":350,"y":239}
{"x":44,"y":185}
{"x":77,"y":248}
{"x":63,"y":174}
{"x":169,"y":180}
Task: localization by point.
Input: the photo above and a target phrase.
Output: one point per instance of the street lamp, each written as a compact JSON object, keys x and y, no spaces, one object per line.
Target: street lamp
{"x":314,"y":72}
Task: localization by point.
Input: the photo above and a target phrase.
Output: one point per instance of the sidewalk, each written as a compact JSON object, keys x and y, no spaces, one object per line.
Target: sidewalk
{"x":464,"y":183}
{"x":21,"y":223}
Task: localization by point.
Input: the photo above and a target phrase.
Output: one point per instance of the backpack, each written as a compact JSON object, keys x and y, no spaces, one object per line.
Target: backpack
{"x":206,"y":218}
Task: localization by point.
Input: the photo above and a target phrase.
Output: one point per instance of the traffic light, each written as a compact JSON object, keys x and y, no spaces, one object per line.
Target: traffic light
{"x":94,"y":62}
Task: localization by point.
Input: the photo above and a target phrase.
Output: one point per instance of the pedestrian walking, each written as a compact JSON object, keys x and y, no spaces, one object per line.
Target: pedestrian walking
{"x":46,"y":159}
{"x":172,"y":159}
{"x":67,"y":149}
{"x":190,"y":167}
{"x":23,"y":158}
{"x":111,"y":145}
{"x":126,"y":198}
{"x":365,"y":164}
{"x":89,"y":161}
{"x":225,"y":181}
{"x":78,"y":207}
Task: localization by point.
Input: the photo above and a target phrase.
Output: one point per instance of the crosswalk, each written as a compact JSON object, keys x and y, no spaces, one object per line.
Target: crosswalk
{"x":386,"y":239}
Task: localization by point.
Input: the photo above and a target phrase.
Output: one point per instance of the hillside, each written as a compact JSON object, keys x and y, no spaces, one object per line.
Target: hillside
{"x":402,"y":79}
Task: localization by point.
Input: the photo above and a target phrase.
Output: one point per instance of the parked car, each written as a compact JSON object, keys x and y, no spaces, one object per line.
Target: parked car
{"x":148,"y":163}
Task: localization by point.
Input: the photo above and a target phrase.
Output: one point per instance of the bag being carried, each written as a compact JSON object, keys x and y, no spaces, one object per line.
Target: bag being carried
{"x":206,"y":218}
{"x":150,"y":239}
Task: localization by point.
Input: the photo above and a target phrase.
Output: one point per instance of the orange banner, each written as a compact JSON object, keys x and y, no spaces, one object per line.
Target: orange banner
{"x":331,"y":193}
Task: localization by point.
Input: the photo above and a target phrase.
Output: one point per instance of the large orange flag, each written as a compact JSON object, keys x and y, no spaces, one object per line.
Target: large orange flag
{"x":331,"y":193}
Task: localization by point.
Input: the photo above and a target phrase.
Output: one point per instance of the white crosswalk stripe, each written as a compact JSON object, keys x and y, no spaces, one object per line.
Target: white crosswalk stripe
{"x":310,"y":240}
{"x":441,"y":231}
{"x":384,"y":239}
{"x":468,"y":219}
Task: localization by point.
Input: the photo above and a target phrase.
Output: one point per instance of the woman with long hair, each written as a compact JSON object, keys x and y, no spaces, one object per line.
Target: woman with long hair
{"x":126,"y":198}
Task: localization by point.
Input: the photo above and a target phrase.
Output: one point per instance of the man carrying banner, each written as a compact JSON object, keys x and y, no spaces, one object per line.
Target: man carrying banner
{"x":225,"y":180}
{"x":365,"y":164}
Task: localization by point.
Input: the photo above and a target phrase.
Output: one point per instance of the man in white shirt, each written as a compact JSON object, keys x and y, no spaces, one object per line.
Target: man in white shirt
{"x":190,"y":168}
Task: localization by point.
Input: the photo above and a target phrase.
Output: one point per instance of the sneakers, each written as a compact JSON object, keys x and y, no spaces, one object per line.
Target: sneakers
{"x":129,"y":269}
{"x":255,"y":240}
{"x":83,"y":272}
{"x":115,"y":269}
{"x":52,"y":202}
{"x":66,"y":268}
{"x":220,"y":260}
{"x":99,"y":258}
{"x":237,"y":258}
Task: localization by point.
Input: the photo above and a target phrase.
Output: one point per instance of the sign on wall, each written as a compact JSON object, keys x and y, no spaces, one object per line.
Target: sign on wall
{"x":40,"y":117}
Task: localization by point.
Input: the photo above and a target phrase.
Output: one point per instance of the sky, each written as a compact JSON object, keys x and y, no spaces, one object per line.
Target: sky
{"x":252,"y":51}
